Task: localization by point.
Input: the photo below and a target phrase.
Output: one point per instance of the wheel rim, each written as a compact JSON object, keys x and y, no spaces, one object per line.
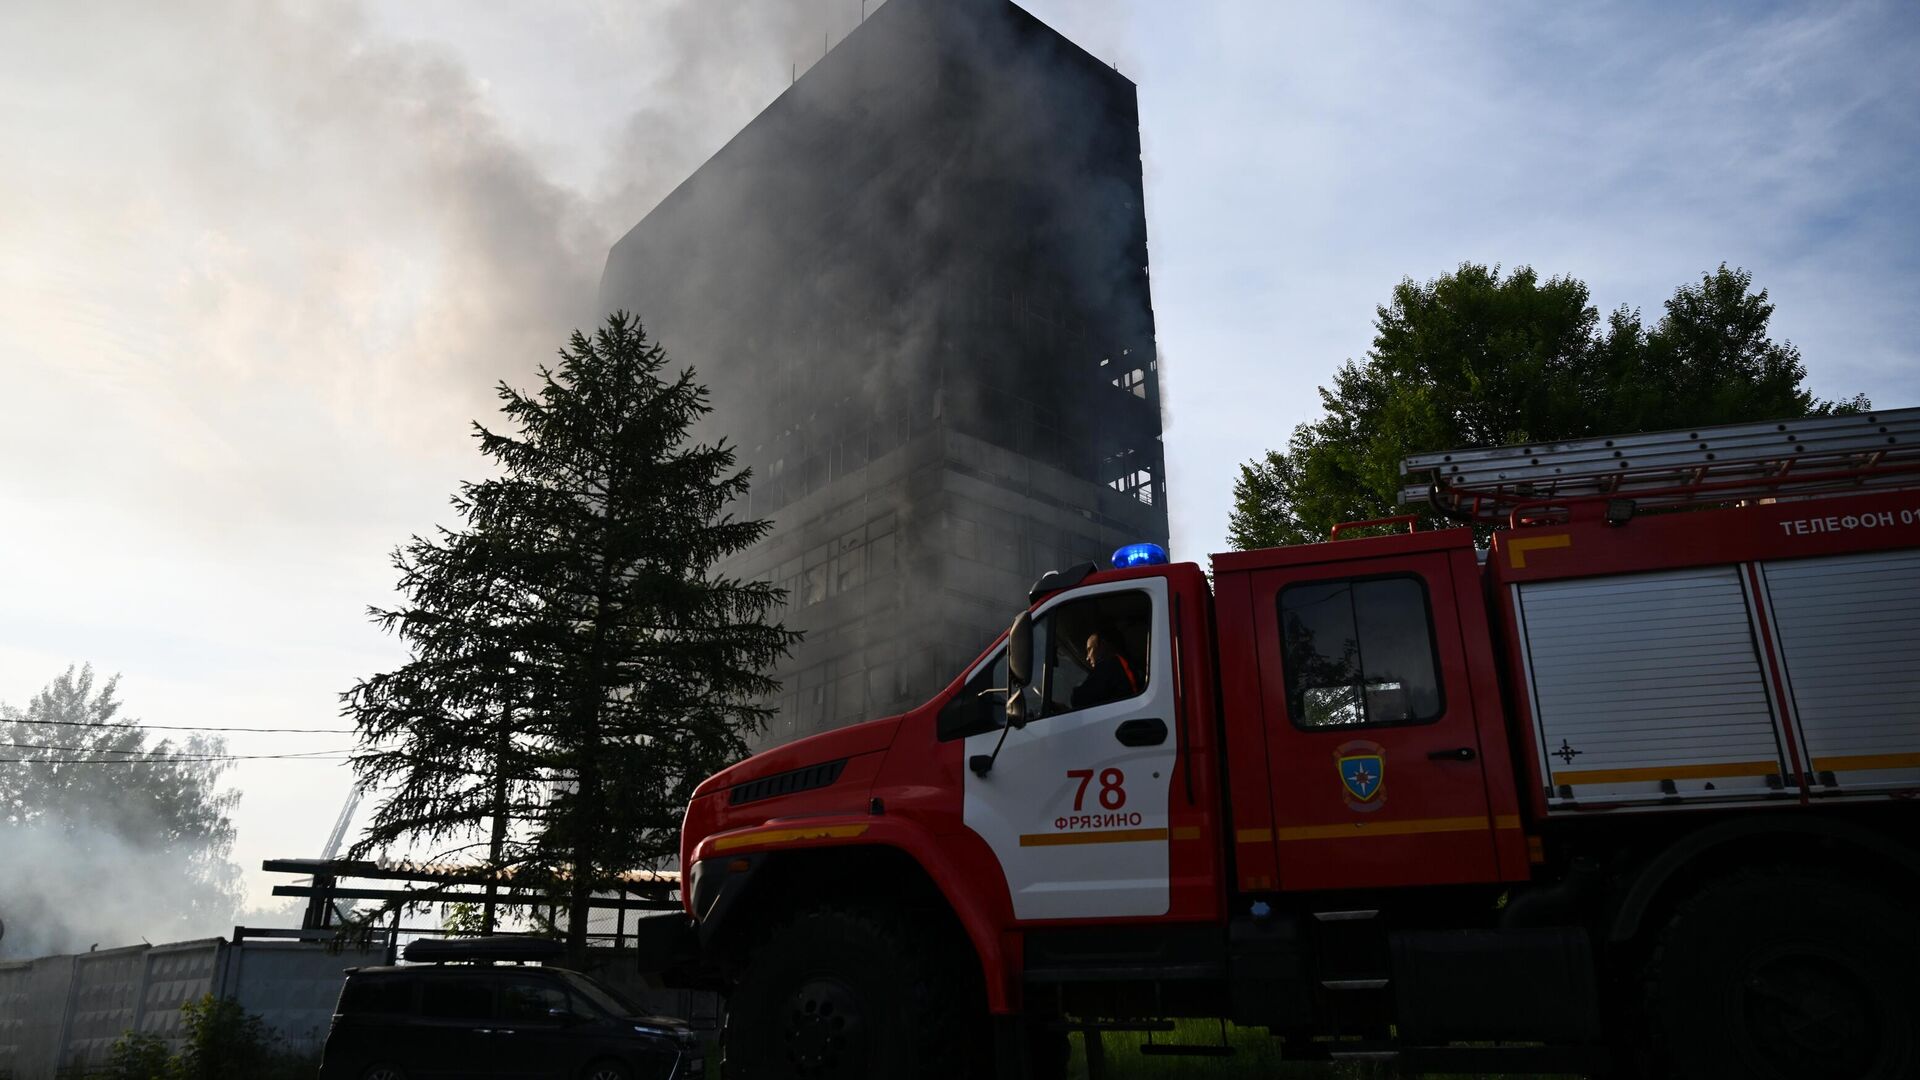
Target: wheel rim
{"x":606,"y":1072}
{"x":1812,"y":1011}
{"x":381,"y":1072}
{"x":826,"y":1031}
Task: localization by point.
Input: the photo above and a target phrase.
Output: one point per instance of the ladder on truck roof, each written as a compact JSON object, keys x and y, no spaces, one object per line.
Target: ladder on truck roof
{"x":1782,"y":459}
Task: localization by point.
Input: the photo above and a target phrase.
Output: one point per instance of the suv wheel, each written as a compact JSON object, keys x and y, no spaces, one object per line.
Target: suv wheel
{"x":383,"y":1071}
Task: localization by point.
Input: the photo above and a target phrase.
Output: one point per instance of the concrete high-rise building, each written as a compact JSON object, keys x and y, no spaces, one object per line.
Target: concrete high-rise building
{"x":917,"y":287}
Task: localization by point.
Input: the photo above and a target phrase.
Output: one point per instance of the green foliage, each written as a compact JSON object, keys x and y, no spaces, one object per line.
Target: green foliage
{"x":222,"y":1042}
{"x":1257,"y":1056}
{"x":1475,"y":359}
{"x":137,"y":1056}
{"x":90,"y":800}
{"x":576,"y":664}
{"x":460,"y":918}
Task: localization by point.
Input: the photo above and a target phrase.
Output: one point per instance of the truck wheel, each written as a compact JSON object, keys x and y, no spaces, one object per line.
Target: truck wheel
{"x":841,"y":994}
{"x":1049,"y":1052}
{"x":1786,"y":974}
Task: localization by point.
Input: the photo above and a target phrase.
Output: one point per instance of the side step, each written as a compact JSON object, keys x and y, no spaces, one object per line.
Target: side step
{"x":1508,"y":1058}
{"x":1097,"y":972}
{"x":1185,"y":1050}
{"x":1111,"y":1025}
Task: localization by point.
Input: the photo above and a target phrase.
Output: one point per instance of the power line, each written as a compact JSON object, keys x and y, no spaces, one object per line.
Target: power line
{"x":155,"y":751}
{"x":189,"y":727}
{"x":317,"y":755}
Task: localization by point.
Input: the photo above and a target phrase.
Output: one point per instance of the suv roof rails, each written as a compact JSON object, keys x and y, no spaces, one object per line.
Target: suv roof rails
{"x":514,"y":948}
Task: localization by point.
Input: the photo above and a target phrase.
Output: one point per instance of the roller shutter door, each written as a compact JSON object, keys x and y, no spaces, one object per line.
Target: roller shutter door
{"x":1849,"y":630}
{"x":1648,"y":687}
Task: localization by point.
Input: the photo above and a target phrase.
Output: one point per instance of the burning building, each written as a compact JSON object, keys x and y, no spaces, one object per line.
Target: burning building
{"x":917,"y":287}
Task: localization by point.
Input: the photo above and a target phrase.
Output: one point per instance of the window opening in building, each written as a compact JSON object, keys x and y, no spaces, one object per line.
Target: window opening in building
{"x":1136,"y":484}
{"x":850,"y":565}
{"x":880,"y":554}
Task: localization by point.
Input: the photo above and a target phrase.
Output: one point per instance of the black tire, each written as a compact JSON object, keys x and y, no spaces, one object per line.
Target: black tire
{"x":845,"y":994}
{"x":606,"y":1070}
{"x":1049,"y":1051}
{"x":1785,"y":975}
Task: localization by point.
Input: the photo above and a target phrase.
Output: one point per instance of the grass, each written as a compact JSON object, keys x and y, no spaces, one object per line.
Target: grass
{"x":1255,"y":1056}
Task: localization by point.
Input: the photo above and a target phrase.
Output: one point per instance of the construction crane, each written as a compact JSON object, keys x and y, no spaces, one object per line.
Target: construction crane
{"x":339,"y":833}
{"x":323,"y":913}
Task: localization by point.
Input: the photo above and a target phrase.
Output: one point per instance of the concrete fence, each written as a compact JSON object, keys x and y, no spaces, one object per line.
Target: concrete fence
{"x":65,"y":1012}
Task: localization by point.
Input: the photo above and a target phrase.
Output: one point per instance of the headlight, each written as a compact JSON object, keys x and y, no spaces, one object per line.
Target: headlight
{"x":679,"y":1036}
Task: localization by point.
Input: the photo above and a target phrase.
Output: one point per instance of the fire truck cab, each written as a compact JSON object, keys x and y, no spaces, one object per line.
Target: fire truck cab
{"x":1618,"y":773}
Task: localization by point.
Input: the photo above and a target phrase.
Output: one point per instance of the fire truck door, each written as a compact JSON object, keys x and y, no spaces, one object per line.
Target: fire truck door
{"x":1376,"y":763}
{"x":1075,"y":806}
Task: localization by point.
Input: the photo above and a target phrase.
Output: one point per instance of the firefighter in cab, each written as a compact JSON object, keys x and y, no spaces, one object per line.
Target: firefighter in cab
{"x":1109,"y":676}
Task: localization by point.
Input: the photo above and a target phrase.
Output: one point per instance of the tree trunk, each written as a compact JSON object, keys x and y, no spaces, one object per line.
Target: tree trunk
{"x":580,"y":879}
{"x":586,"y":825}
{"x":587,"y":817}
{"x":499,"y":840}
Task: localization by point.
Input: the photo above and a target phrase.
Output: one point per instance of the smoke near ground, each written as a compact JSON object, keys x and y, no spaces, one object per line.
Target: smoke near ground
{"x":108,"y":837}
{"x":69,"y":889}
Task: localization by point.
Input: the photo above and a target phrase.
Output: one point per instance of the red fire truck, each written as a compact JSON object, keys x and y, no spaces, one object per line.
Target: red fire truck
{"x":1618,"y":774}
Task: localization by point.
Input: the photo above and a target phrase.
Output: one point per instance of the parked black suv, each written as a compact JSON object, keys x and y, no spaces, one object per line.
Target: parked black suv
{"x":466,"y":1020}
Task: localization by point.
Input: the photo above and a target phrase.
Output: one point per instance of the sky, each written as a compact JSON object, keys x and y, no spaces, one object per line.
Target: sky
{"x":261,"y":263}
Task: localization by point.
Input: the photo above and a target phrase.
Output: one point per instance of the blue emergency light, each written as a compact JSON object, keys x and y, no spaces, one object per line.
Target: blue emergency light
{"x":1139,"y":555}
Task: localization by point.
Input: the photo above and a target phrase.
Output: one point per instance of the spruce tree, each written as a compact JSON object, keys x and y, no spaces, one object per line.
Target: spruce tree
{"x":574,"y":647}
{"x":439,"y":733}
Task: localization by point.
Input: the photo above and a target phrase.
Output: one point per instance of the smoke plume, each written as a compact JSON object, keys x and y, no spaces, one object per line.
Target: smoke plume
{"x":68,"y":889}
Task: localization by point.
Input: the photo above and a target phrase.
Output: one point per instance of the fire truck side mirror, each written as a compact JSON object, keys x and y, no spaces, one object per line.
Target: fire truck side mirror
{"x":1019,"y":654}
{"x":1017,"y":708}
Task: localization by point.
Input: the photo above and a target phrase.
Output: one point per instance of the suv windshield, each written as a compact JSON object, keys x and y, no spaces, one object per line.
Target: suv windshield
{"x":605,"y":997}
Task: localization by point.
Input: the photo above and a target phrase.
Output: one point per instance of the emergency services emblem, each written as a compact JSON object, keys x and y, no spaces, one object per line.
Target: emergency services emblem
{"x":1362,"y":766}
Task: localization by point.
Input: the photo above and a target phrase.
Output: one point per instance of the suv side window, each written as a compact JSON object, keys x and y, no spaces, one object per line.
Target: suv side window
{"x":377,"y":993}
{"x":528,"y":997}
{"x":1359,"y":653}
{"x":456,"y":997}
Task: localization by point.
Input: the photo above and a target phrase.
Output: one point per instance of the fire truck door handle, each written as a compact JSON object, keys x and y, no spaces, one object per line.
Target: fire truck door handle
{"x":1458,"y":753}
{"x":1141,"y":733}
